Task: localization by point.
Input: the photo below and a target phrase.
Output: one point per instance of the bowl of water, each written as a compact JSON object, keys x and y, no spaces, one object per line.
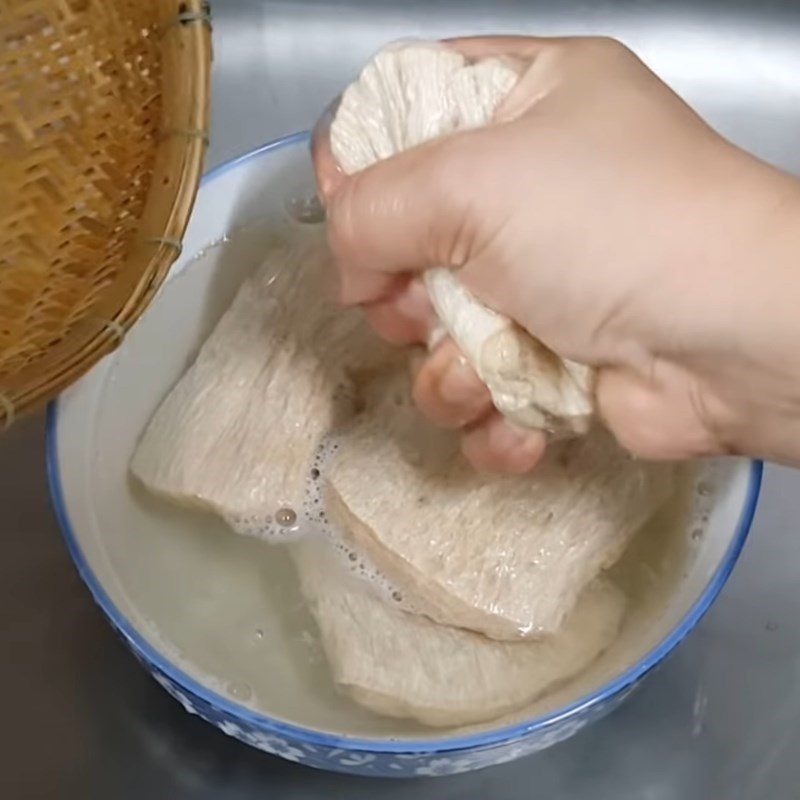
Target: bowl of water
{"x":218,"y":619}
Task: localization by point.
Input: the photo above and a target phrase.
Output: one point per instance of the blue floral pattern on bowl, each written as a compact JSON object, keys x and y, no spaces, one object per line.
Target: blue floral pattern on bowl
{"x":396,"y":764}
{"x":351,"y":759}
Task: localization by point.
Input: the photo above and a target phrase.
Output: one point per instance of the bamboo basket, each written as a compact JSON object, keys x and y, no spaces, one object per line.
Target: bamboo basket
{"x":103,"y":120}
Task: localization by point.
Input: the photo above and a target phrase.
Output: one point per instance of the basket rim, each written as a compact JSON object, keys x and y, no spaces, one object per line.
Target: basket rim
{"x":92,"y":338}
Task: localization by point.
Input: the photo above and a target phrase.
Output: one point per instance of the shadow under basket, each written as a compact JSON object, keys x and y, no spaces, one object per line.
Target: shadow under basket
{"x":103,"y":130}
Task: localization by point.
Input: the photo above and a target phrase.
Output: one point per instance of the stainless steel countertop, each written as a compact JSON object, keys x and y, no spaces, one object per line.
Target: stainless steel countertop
{"x":721,"y":719}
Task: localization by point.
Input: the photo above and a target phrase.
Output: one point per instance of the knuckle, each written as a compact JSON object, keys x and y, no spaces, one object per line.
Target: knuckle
{"x":607,"y":44}
{"x":604,"y":50}
{"x":453,"y":231}
{"x":634,"y":416}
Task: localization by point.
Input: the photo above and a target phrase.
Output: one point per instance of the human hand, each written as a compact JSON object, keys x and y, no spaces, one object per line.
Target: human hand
{"x":603,"y":215}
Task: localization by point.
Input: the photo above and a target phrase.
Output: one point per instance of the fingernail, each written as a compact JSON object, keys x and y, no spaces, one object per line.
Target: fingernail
{"x":507,"y":437}
{"x":522,"y":448}
{"x":459,"y":384}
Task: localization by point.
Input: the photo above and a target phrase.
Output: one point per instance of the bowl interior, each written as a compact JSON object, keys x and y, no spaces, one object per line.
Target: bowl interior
{"x":225,"y":610}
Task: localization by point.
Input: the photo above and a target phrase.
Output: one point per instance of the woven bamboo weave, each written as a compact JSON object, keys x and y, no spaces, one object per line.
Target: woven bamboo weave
{"x":103,"y":119}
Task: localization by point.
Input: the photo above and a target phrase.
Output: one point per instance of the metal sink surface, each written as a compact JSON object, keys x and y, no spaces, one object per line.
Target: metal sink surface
{"x":721,"y":719}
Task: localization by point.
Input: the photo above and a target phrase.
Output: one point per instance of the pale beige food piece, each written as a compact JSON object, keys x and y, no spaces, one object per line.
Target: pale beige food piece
{"x":503,"y":555}
{"x":408,"y":94}
{"x":237,"y":434}
{"x":238,"y":431}
{"x":404,"y":665}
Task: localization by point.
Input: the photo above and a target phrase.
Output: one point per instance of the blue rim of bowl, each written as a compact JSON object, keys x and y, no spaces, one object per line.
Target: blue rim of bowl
{"x":399,"y":746}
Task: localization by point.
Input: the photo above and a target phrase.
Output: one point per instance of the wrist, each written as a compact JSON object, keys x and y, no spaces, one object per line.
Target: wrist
{"x":752,"y":370}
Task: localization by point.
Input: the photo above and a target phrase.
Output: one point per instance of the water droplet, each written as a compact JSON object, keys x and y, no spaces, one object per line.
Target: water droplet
{"x":285,"y":517}
{"x":259,"y":633}
{"x":307,"y":210}
{"x":697,"y":533}
{"x":240,"y":691}
{"x":704,"y":488}
{"x":772,"y":626}
{"x":315,"y":473}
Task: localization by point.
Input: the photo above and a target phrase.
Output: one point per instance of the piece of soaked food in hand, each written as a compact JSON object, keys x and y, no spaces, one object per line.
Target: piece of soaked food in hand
{"x":507,"y":556}
{"x":408,"y":94}
{"x":404,"y":665}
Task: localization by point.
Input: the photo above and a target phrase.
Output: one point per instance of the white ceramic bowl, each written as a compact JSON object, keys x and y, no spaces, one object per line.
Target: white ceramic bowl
{"x":216,"y":618}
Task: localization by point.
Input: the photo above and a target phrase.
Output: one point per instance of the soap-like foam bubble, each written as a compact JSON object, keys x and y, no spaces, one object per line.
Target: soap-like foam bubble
{"x":284,"y":526}
{"x":287,"y":524}
{"x":351,"y":558}
{"x":706,"y":485}
{"x":305,"y":209}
